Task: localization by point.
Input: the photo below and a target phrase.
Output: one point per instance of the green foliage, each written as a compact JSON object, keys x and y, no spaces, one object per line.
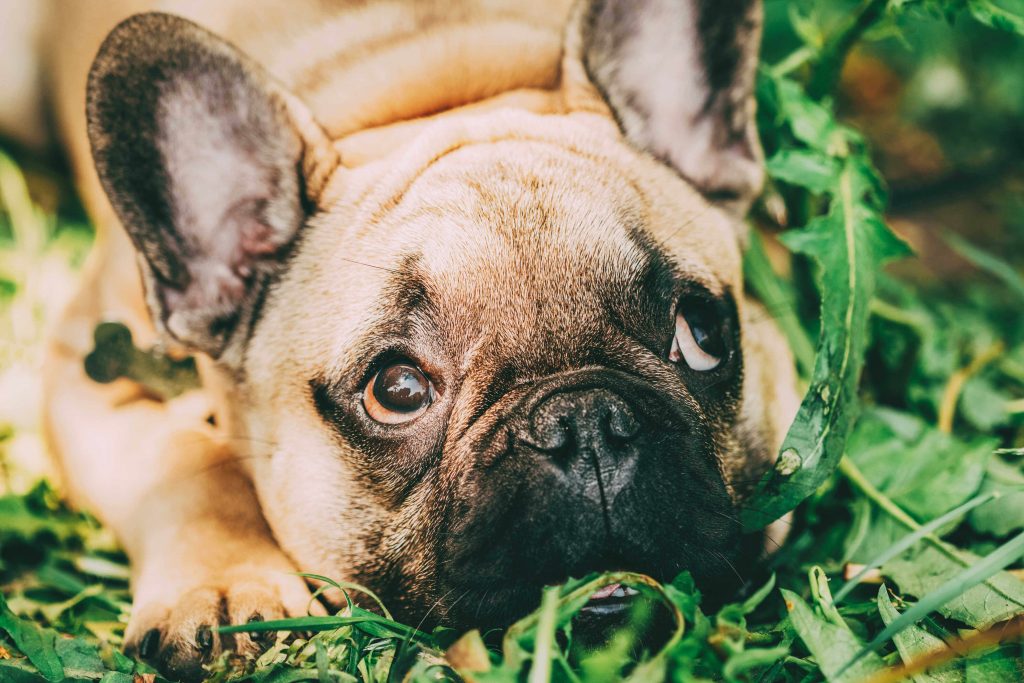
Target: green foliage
{"x":114,"y":355}
{"x":905,"y":457}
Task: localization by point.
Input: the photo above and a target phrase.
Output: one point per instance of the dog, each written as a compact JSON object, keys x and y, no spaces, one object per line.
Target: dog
{"x":464,"y":285}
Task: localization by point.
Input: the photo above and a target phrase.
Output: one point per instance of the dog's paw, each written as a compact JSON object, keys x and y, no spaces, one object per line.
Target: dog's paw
{"x":178,"y":634}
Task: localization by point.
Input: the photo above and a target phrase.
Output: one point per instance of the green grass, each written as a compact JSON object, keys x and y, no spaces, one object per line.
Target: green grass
{"x":905,"y":466}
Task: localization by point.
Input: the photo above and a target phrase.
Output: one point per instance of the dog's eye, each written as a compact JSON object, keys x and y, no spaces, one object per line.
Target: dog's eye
{"x":397,"y":393}
{"x":698,"y":340}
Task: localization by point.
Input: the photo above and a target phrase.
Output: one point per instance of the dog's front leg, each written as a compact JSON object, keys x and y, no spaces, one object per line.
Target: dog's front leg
{"x":161,"y":477}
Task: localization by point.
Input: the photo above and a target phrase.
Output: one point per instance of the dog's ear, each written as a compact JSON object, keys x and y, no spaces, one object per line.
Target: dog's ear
{"x":210,"y":165}
{"x":678,"y":76}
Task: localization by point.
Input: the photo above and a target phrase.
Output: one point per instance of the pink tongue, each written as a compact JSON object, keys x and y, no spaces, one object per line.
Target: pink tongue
{"x":605,"y":592}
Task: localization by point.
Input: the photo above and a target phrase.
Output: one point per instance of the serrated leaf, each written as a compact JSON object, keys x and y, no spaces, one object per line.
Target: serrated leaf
{"x":833,"y":646}
{"x":810,"y":122}
{"x":914,"y":642}
{"x":991,"y":14}
{"x":804,"y":168}
{"x":849,"y":244}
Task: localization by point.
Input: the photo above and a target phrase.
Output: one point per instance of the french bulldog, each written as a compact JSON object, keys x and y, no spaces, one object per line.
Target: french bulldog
{"x":463,"y":281}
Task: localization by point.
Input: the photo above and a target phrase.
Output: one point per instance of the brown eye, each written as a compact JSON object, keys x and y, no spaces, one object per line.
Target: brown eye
{"x":397,"y":393}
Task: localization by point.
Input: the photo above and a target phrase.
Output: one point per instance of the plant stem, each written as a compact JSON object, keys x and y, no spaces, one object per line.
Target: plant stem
{"x":861,"y":483}
{"x":951,"y":395}
{"x":826,"y":71}
{"x":793,"y":61}
{"x":895,"y":314}
{"x":540,"y":670}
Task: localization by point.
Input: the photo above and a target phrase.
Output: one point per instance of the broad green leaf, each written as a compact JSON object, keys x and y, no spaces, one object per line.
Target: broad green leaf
{"x":984,"y":405}
{"x":1006,"y":515}
{"x":995,"y":666}
{"x":920,"y":468}
{"x":833,"y":646}
{"x":79,"y":658}
{"x":915,"y":642}
{"x":849,"y":244}
{"x":36,"y":643}
{"x":16,"y":671}
{"x":742,"y":662}
{"x":957,"y":591}
{"x":117,"y":677}
{"x":911,"y":539}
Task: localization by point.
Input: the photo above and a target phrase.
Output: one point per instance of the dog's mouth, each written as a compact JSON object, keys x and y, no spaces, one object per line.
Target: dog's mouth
{"x":610,"y":601}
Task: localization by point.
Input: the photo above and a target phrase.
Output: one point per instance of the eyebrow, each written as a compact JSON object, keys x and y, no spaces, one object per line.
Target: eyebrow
{"x":407,"y":289}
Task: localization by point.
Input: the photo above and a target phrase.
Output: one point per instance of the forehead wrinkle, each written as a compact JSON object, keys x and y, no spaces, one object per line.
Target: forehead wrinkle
{"x":398,"y":193}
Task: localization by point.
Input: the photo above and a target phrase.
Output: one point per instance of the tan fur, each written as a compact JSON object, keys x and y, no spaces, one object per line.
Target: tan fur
{"x":416,"y":97}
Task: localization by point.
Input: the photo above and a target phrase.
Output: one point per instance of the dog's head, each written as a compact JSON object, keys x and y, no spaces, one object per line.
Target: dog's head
{"x":514,"y":349}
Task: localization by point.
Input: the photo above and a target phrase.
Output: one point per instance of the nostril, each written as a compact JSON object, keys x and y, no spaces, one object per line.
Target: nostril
{"x":620,"y":423}
{"x":550,"y":429}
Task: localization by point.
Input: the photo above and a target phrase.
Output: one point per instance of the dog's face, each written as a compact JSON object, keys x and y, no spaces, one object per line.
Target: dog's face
{"x":511,"y":351}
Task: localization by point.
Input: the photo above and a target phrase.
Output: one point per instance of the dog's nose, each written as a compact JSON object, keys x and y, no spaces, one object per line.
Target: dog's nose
{"x":594,"y":422}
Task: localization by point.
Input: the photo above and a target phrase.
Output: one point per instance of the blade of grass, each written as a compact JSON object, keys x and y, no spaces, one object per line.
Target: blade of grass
{"x":992,"y":563}
{"x":988,"y":263}
{"x":345,"y":586}
{"x":912,"y":539}
{"x":327,"y":623}
{"x":540,"y":671}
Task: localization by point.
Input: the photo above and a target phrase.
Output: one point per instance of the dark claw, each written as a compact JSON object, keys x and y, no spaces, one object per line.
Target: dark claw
{"x":204,"y":639}
{"x":261,"y":637}
{"x":149,"y":643}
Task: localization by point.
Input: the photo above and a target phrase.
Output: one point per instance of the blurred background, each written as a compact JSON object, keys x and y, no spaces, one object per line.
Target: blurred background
{"x":941,"y":103}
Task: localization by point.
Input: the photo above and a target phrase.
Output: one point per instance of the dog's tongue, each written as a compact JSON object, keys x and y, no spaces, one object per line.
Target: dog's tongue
{"x":614,"y":591}
{"x":610,"y":600}
{"x":606,"y":592}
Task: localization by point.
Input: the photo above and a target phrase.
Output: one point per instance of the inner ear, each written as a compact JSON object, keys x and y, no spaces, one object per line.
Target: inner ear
{"x":678,"y":75}
{"x":206,"y":163}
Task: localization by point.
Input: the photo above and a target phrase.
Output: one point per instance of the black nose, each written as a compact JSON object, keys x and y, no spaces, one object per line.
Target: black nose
{"x":589,"y":419}
{"x":588,"y":434}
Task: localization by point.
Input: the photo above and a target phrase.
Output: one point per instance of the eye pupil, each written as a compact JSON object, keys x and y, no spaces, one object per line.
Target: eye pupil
{"x":401,"y":388}
{"x":702,"y":338}
{"x":700,"y":327}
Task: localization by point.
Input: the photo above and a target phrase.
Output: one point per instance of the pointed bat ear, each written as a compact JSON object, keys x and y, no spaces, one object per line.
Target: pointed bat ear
{"x":211,"y":167}
{"x":678,"y":75}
